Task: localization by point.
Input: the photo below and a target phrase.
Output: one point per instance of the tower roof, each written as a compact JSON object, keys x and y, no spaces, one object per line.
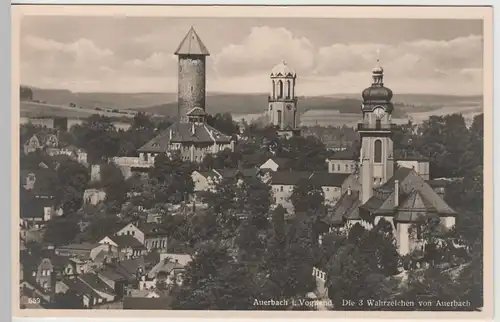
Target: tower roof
{"x":192,"y":45}
{"x":283,"y":70}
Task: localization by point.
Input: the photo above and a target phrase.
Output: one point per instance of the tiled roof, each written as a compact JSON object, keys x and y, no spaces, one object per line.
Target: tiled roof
{"x":349,"y":154}
{"x":326,"y":179}
{"x":192,"y":45}
{"x":415,"y":197}
{"x":82,"y":246}
{"x":146,"y":303}
{"x":196,"y":111}
{"x":126,"y":241}
{"x":93,"y":280}
{"x":113,"y":275}
{"x":80,"y":287}
{"x":346,"y":208}
{"x":289,"y":178}
{"x":185,"y":133}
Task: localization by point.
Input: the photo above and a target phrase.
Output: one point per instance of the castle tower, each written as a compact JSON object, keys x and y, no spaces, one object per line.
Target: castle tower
{"x":282,"y":109}
{"x":376,"y":130}
{"x":192,"y":74}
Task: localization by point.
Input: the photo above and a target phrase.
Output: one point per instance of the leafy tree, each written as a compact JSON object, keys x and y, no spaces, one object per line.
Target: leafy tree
{"x":307,"y":197}
{"x":99,"y":227}
{"x":305,"y":153}
{"x":61,"y":231}
{"x":214,"y":281}
{"x":113,"y":183}
{"x":224,"y":123}
{"x":73,"y":179}
{"x":256,"y":201}
{"x":176,"y":175}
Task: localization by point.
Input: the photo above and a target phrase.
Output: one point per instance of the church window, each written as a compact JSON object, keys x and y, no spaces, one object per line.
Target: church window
{"x":271,"y":107}
{"x":378,"y":151}
{"x":280,"y":89}
{"x":288,"y":88}
{"x":274,"y":89}
{"x":279,"y":117}
{"x":338,"y":167}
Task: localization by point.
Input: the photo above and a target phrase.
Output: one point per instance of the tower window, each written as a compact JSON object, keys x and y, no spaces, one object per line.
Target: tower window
{"x":191,"y":88}
{"x":288,"y":89}
{"x":279,"y":118}
{"x":274,"y":89}
{"x":378,"y":124}
{"x":378,"y":151}
{"x":338,"y":167}
{"x":271,"y":107}
{"x":280,"y":89}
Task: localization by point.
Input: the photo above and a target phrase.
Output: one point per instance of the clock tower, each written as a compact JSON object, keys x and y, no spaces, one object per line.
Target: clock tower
{"x":376,"y":130}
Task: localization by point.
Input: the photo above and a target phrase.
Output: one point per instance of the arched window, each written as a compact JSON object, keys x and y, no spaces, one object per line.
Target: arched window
{"x":288,"y":89}
{"x":279,"y":118}
{"x":274,"y":89}
{"x":280,"y":89}
{"x":378,"y":151}
{"x":294,"y":118}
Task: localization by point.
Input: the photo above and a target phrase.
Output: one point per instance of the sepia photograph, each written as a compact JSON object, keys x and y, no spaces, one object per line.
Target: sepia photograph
{"x":275,"y":159}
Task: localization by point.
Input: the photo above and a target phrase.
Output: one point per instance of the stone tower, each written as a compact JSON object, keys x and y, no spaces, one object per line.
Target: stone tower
{"x":282,"y":109}
{"x":376,"y":131}
{"x":192,"y":55}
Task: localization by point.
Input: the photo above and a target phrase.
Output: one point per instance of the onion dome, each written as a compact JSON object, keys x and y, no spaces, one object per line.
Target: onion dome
{"x":283,"y":70}
{"x":377,"y":92}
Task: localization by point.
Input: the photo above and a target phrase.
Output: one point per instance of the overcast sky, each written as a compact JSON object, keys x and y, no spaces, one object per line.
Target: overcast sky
{"x":331,"y":56}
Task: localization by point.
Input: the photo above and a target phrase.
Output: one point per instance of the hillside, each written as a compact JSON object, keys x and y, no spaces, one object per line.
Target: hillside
{"x":102,"y":100}
{"x":237,"y":104}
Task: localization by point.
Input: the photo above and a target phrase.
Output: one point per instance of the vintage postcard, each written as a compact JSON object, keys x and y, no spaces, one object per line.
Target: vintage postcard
{"x":252,"y":161}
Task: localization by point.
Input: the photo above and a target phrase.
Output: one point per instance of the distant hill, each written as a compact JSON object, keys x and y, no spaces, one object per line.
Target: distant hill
{"x":102,"y":100}
{"x":239,"y":103}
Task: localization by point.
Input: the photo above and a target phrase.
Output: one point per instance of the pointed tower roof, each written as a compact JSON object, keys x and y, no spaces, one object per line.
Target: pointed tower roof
{"x":192,"y":45}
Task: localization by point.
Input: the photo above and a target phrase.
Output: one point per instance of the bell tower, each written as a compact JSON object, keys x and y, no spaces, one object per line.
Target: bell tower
{"x":282,"y":109}
{"x":376,"y":131}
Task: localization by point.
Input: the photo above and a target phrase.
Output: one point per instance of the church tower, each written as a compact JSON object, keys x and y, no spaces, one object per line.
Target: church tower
{"x":282,"y":109}
{"x":192,"y":55}
{"x":376,"y":131}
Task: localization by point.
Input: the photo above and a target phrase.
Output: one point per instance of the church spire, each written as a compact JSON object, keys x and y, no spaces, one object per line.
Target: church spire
{"x":192,"y":45}
{"x":378,"y":72}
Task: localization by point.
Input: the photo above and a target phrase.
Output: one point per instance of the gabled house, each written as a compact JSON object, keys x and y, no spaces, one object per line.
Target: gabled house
{"x":124,"y":244}
{"x":282,"y":185}
{"x":41,"y":141}
{"x":332,"y":184}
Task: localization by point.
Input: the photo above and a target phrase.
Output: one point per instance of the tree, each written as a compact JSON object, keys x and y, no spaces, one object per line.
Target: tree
{"x":305,"y":153}
{"x":224,"y":123}
{"x":214,"y":281}
{"x":175,"y":174}
{"x":73,"y":179}
{"x":61,"y":231}
{"x":100,"y":226}
{"x":307,"y":197}
{"x":256,"y":201}
{"x":113,"y":183}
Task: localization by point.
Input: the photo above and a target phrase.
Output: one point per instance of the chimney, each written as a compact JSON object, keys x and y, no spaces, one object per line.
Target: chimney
{"x":396,"y":193}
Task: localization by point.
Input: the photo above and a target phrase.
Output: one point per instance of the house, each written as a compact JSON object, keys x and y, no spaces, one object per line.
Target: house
{"x":94,"y":196}
{"x":154,"y":237}
{"x":275,"y":164}
{"x":131,"y":230}
{"x":123,"y":275}
{"x":343,"y":161}
{"x":86,"y":256}
{"x":90,"y":288}
{"x":205,"y":180}
{"x":77,"y":154}
{"x":41,"y":141}
{"x":400,"y":195}
{"x":40,"y":268}
{"x":168,"y":271}
{"x":332,"y":184}
{"x":124,"y":244}
{"x":282,"y":184}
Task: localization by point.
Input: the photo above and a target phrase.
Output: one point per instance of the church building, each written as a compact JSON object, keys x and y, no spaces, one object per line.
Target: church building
{"x":190,"y":135}
{"x":282,"y":110}
{"x":399,"y":194}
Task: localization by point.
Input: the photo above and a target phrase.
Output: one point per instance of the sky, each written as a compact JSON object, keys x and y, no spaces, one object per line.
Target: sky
{"x":330,"y":56}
